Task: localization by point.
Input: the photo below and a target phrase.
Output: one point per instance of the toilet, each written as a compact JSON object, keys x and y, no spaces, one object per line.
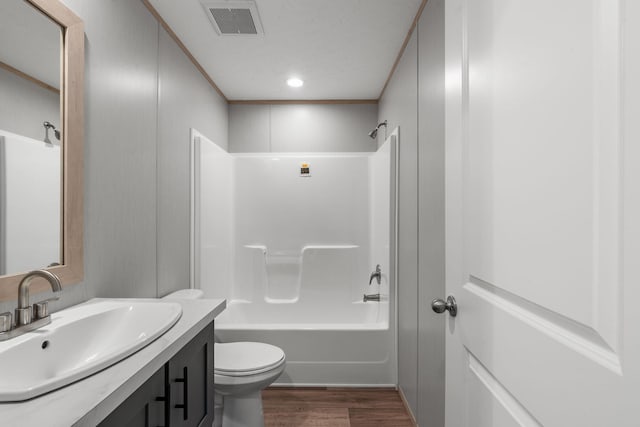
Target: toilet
{"x":241,"y":371}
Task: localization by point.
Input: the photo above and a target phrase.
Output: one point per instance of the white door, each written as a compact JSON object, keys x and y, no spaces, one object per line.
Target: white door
{"x":543,"y":212}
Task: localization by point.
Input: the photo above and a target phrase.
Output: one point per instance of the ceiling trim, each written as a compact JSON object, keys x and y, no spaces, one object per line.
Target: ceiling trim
{"x":302,"y":101}
{"x":29,"y":78}
{"x":414,"y":24}
{"x":186,"y":51}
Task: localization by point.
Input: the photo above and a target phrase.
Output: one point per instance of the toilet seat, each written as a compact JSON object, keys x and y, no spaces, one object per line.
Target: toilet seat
{"x":239,"y":359}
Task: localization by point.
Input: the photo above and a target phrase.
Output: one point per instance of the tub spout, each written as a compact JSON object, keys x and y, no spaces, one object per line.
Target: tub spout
{"x":371,"y":297}
{"x":376,"y":275}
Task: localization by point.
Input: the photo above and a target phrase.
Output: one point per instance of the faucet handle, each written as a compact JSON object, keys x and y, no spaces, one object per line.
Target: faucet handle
{"x":41,"y":308}
{"x":376,"y":275}
{"x":24,"y":316}
{"x":55,"y":297}
{"x":6,"y":321}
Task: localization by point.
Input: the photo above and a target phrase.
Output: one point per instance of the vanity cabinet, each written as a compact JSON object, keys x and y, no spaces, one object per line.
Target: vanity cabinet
{"x":144,"y":407}
{"x":190,"y":377}
{"x":178,"y":394}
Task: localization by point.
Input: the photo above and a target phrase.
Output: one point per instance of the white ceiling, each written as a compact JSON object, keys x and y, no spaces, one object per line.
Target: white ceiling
{"x":342,"y":49}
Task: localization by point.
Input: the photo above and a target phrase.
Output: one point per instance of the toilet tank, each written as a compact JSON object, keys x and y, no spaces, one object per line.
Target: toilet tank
{"x":185,"y":294}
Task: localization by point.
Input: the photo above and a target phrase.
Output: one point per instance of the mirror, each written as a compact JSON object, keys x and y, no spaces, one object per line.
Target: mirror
{"x":30,"y":51}
{"x":41,"y":133}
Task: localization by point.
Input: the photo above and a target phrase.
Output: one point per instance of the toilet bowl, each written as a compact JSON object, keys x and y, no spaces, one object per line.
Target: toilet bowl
{"x":241,"y":371}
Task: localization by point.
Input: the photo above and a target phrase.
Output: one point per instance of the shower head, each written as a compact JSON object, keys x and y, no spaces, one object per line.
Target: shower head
{"x":374,"y":133}
{"x":56,"y":132}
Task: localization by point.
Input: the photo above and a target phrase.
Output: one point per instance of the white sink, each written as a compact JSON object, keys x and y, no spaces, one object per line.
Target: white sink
{"x":80,"y":341}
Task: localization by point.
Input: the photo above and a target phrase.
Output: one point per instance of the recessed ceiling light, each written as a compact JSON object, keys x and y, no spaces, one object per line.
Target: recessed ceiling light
{"x":295,"y":82}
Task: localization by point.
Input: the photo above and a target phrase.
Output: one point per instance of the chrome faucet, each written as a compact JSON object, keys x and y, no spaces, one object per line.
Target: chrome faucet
{"x":376,"y":274}
{"x":24,"y":312}
{"x":26,"y":319}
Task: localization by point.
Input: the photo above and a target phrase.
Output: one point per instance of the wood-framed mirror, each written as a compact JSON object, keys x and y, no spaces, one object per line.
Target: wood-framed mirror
{"x":67,"y":263}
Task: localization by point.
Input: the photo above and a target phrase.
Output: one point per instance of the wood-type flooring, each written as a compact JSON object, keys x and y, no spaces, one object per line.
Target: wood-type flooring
{"x":334,"y":407}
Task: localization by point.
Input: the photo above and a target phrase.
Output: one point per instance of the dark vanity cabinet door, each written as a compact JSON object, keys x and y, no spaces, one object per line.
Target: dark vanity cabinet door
{"x":144,"y":408}
{"x":180,"y":394}
{"x":190,"y":375}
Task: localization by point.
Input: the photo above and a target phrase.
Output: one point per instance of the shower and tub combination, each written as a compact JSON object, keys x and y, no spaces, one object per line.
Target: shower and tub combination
{"x":302,"y":247}
{"x":29,"y":202}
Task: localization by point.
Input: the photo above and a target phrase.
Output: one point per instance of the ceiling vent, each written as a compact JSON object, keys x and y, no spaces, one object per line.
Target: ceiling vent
{"x":233,"y":18}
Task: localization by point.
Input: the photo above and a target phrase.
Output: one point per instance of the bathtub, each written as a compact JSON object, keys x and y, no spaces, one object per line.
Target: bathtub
{"x":293,"y":255}
{"x":327,"y":344}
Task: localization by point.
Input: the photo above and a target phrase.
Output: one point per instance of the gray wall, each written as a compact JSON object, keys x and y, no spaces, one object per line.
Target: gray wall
{"x":24,"y":106}
{"x":399,"y":106}
{"x":121,"y":45}
{"x":431,"y":223}
{"x":297,"y":128}
{"x":136,"y":152}
{"x":186,"y":100}
{"x":414,"y":100}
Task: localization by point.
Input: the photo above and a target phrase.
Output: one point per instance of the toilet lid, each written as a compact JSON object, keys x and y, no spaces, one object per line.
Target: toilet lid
{"x":245,"y":358}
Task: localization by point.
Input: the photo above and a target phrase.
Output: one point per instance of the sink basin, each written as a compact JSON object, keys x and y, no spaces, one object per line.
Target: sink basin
{"x":80,"y":341}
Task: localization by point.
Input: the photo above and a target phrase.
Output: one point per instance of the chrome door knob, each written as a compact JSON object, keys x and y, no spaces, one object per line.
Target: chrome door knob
{"x":450,"y":305}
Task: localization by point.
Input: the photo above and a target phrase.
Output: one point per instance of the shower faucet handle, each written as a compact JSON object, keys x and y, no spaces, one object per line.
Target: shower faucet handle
{"x":376,"y":274}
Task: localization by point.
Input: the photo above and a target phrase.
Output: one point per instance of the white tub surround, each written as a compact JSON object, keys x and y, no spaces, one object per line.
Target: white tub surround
{"x":87,"y":402}
{"x":29,"y":203}
{"x":302,"y":233}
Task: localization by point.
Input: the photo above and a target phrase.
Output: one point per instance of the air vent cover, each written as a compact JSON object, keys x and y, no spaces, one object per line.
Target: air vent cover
{"x":232,"y":18}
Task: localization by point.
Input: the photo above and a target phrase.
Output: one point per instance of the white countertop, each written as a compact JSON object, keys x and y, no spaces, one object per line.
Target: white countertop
{"x":89,"y":401}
